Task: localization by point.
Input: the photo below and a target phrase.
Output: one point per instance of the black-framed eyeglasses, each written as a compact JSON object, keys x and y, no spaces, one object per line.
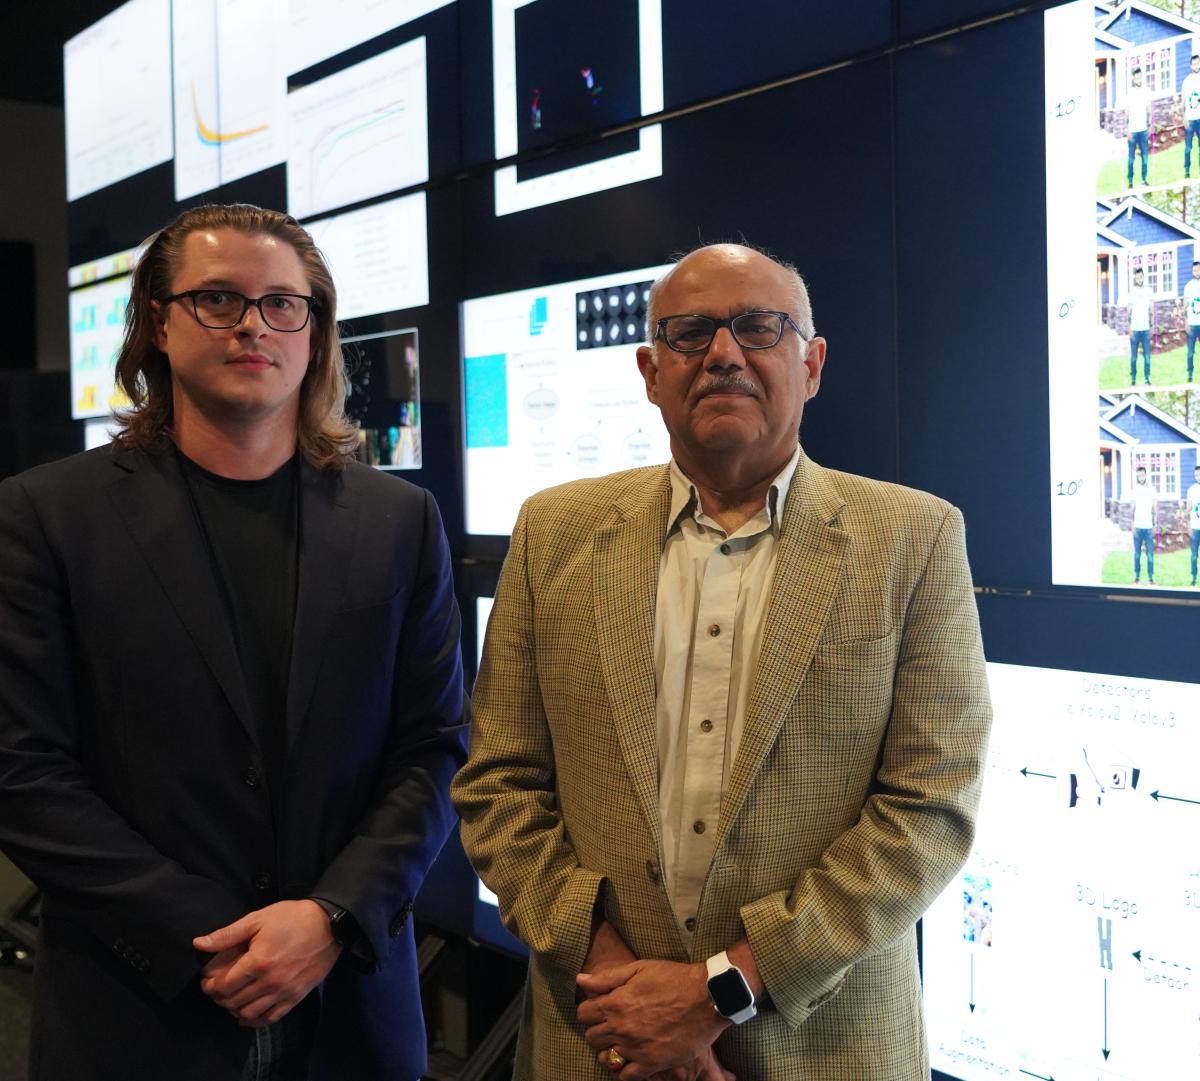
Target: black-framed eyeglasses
{"x":759,"y":329}
{"x":221,"y":309}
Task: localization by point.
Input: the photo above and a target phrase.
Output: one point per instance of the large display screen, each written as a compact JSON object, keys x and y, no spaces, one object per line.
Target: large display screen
{"x":1123,"y":221}
{"x":117,"y":93}
{"x":564,"y":69}
{"x":1069,"y":946}
{"x":551,"y":391}
{"x":97,"y":300}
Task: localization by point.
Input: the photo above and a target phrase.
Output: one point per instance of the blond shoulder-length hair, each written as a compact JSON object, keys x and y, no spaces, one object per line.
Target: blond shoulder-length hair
{"x":325,"y":438}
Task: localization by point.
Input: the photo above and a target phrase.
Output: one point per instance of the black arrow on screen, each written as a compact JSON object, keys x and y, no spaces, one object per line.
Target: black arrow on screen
{"x":1040,"y":1077}
{"x":1026,"y":772}
{"x":1138,"y":955}
{"x":1156,"y":795}
{"x":971,"y":1001}
{"x":1105,"y":1049}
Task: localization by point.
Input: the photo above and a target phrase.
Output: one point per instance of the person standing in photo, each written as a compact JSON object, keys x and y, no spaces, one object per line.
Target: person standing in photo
{"x":1190,"y":93}
{"x":1140,"y":302}
{"x":1137,"y":109}
{"x":1191,"y":299}
{"x":1193,"y":509}
{"x":1145,"y":515}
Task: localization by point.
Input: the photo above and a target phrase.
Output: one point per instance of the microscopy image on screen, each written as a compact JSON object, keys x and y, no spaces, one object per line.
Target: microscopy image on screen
{"x":385,"y":397}
{"x":578,"y":71}
{"x":1123,"y":191}
{"x":551,"y":391}
{"x":117,"y":92}
{"x":1068,"y":947}
{"x":562,"y":69}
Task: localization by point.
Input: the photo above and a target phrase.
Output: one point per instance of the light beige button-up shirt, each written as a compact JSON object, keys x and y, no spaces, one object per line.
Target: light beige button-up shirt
{"x":713,"y":591}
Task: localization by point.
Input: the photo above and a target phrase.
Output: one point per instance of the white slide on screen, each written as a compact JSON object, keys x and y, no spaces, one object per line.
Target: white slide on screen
{"x":319,"y":29}
{"x":542,"y":406}
{"x":230,"y":91}
{"x":1069,"y":946}
{"x":97,"y":328}
{"x":378,"y":256}
{"x":359,"y":133}
{"x":117,"y":92}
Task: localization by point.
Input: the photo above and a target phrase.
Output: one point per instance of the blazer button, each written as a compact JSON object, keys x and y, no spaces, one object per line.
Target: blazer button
{"x":252,"y":777}
{"x":262,"y":881}
{"x":652,"y":870}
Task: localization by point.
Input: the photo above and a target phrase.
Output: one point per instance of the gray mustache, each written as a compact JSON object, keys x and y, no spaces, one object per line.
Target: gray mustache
{"x":730,"y":382}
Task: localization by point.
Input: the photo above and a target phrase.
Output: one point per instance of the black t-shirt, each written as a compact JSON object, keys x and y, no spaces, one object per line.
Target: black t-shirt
{"x":251,"y":528}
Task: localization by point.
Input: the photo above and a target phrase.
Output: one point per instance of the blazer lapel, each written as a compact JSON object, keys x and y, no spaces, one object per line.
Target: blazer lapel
{"x":625,"y":559}
{"x":808,"y":572}
{"x":152,"y":500}
{"x":328,"y":521}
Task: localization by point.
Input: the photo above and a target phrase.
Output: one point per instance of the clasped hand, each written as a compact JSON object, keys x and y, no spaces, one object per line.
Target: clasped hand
{"x":267,"y":961}
{"x":658,"y":1014}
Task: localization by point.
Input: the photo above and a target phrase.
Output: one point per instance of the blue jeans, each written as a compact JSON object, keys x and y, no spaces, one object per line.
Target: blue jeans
{"x":1193,"y":128}
{"x":1146,"y":537}
{"x":1193,"y":334}
{"x":1140,"y":140}
{"x":1195,"y":549}
{"x":1136,"y":338}
{"x":279,"y":1052}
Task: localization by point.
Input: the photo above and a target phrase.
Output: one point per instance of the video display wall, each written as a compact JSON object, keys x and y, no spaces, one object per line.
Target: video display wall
{"x":494,"y":211}
{"x":1068,"y":946}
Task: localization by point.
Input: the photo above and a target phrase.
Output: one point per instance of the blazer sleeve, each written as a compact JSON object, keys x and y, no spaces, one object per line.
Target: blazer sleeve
{"x":377,"y":874}
{"x":873,"y":882}
{"x":512,"y":828}
{"x":54,"y":825}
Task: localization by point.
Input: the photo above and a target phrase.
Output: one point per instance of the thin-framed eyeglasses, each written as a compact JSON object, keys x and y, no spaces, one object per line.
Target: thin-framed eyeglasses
{"x":222,"y":309}
{"x":758,"y":329}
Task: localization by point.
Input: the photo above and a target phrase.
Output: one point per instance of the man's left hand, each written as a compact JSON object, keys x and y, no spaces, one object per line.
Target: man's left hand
{"x":657,"y":1013}
{"x":267,"y":961}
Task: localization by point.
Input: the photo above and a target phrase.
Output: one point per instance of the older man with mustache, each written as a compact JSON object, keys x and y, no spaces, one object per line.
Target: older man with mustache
{"x":730,"y":726}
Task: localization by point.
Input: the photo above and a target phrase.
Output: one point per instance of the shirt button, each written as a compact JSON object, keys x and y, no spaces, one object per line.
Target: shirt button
{"x":725,"y":549}
{"x":706,"y":726}
{"x":699,"y":825}
{"x":690,"y":923}
{"x":714,"y":629}
{"x":262,"y":881}
{"x":252,"y":777}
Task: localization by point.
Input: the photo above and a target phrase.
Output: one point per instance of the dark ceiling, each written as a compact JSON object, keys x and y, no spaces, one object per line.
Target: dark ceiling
{"x":31,"y":41}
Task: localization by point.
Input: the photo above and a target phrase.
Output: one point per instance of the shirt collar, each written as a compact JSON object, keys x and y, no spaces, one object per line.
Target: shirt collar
{"x":685,"y":500}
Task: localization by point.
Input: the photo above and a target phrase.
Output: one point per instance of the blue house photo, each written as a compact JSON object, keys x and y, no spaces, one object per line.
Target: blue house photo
{"x":1134,"y":433}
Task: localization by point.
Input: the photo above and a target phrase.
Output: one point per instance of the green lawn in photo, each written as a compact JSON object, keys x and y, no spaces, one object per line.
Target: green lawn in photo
{"x":1166,"y":167}
{"x":1170,"y":568}
{"x":1166,"y":369}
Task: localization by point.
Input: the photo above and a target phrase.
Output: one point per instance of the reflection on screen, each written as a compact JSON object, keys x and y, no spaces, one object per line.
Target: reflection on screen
{"x":117,"y":91}
{"x":551,"y":391}
{"x":385,"y":397}
{"x":1123,"y":193}
{"x":1067,"y":947}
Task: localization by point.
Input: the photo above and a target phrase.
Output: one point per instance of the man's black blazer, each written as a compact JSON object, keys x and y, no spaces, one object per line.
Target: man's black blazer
{"x":132,"y":788}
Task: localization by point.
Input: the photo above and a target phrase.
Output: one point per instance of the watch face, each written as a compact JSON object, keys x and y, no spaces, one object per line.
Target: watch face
{"x":729,"y":992}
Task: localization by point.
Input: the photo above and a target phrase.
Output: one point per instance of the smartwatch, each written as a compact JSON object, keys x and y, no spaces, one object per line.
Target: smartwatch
{"x":727,"y":987}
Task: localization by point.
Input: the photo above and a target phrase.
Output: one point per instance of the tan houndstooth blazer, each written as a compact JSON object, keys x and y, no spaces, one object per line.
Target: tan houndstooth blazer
{"x":853,"y":795}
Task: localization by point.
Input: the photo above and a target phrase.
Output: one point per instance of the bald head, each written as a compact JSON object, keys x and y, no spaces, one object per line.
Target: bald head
{"x":730,"y":267}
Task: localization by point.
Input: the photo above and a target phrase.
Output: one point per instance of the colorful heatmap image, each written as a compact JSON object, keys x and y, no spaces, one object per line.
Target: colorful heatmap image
{"x":230,"y":91}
